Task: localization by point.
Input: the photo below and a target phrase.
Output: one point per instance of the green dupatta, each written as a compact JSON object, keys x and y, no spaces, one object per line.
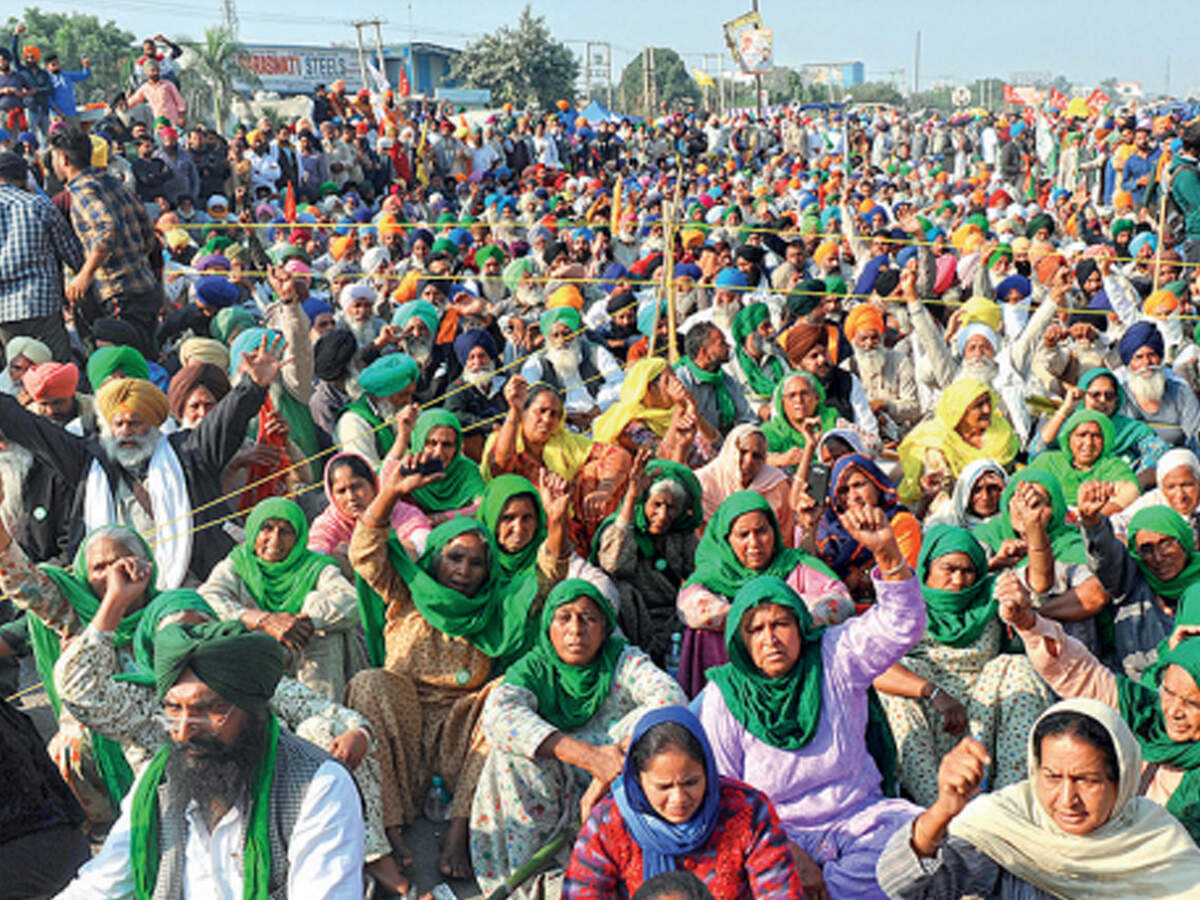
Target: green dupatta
{"x":1059,"y":463}
{"x":689,"y":518}
{"x":781,"y":436}
{"x":491,"y":505}
{"x":956,"y":618}
{"x":1164,"y":520}
{"x":462,"y":483}
{"x":279,"y":586}
{"x":1066,"y":542}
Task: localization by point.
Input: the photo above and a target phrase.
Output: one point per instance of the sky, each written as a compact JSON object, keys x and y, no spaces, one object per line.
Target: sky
{"x":961,"y":40}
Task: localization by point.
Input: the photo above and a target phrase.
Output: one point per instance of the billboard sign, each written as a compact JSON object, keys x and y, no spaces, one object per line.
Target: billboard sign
{"x":296,"y":68}
{"x":749,"y":43}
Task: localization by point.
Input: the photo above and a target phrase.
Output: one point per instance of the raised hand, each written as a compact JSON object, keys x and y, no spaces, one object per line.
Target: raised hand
{"x":960,"y":775}
{"x":870,"y":527}
{"x":639,"y":481}
{"x":1016,"y":605}
{"x":516,"y":392}
{"x":263,"y":363}
{"x":1011,"y":552}
{"x":126,"y":581}
{"x":1093,"y":496}
{"x":555,"y":492}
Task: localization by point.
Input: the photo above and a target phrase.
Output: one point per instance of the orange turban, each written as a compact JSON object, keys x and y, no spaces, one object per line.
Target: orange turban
{"x":567,"y":295}
{"x":1161,"y":303}
{"x":133,"y":395}
{"x":340,"y":246}
{"x":863,"y":316}
{"x":824,"y":251}
{"x":407,"y":289}
{"x":54,"y":381}
{"x":1047,"y":266}
{"x":1122,"y":201}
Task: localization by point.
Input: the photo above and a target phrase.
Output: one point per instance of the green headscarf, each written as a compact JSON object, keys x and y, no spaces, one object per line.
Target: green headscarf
{"x":1164,"y":520}
{"x":744,"y":324}
{"x":495,"y":497}
{"x":167,"y":603}
{"x":230,"y":320}
{"x":107,"y":360}
{"x":689,"y":518}
{"x":279,"y":586}
{"x":785,"y":711}
{"x":1107,"y":467}
{"x":462,"y":484}
{"x":569,"y":696}
{"x":73,"y":584}
{"x":244,"y":667}
{"x":717,"y":566}
{"x":716,"y":380}
{"x":1140,"y":706}
{"x":1066,"y":542}
{"x":781,"y":436}
{"x":493,"y":620}
{"x":956,"y":618}
{"x":1127,"y":432}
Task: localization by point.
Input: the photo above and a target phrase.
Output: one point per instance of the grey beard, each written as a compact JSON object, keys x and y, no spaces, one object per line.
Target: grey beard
{"x":15,"y":463}
{"x":480,"y":378}
{"x":493,"y":289}
{"x":364,"y":332}
{"x":1148,"y":385}
{"x":687,"y":302}
{"x":982,"y":367}
{"x":133,"y":457}
{"x":566,"y":362}
{"x":723,"y":316}
{"x":527,"y":296}
{"x":385,"y":407}
{"x":420,"y":348}
{"x":870,"y":362}
{"x":223,"y":775}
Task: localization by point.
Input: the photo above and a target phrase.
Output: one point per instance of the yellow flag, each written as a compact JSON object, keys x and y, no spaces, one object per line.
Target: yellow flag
{"x":703,"y":79}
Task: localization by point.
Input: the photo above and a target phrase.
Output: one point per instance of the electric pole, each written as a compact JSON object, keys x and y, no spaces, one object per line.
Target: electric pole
{"x":649,"y":87}
{"x":597,"y":63}
{"x":917,"y":67}
{"x":362,"y":57}
{"x":229,"y":17}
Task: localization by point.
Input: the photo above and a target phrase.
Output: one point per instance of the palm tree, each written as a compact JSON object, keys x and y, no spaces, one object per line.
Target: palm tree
{"x":217,"y":62}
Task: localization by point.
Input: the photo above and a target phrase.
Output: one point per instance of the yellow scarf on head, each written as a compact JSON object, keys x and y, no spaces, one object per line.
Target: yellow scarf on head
{"x":1141,"y":851}
{"x":1000,"y":442}
{"x":630,"y":407}
{"x":565,"y":453}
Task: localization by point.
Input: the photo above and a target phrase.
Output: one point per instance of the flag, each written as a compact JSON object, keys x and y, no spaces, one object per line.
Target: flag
{"x":1010,"y":95}
{"x":403,"y":88}
{"x":1097,"y":100}
{"x":1058,"y":100}
{"x":703,"y":79}
{"x":616,"y":205}
{"x":289,"y":203}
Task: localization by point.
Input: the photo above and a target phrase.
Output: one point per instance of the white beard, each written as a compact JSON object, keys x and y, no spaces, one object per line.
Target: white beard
{"x":364,"y":332}
{"x":566,"y":362}
{"x":480,"y":378}
{"x":420,"y":349}
{"x":687,"y":302}
{"x":723,"y":316}
{"x":384,"y":406}
{"x":1148,"y":385}
{"x":527,"y":296}
{"x":15,"y":463}
{"x":129,"y":458}
{"x":870,"y":362}
{"x":983,"y":368}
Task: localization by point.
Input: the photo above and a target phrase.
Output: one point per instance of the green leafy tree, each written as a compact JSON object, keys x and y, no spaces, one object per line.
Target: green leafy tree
{"x":674,"y":86}
{"x":523,"y":65}
{"x":210,"y":74}
{"x":877,"y":92}
{"x":74,"y":37}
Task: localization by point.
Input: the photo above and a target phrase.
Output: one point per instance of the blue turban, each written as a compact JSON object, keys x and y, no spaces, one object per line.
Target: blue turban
{"x":1140,"y":334}
{"x":1013,"y":283}
{"x":866,"y":281}
{"x":905,"y":255}
{"x":613,"y":273}
{"x":421,"y":234}
{"x":688,"y":270}
{"x":469,"y":340}
{"x":1141,"y":241}
{"x":248,"y":341}
{"x":731,"y":278}
{"x":215,"y":292}
{"x":645,"y":317}
{"x":315,"y":306}
{"x":389,"y":375}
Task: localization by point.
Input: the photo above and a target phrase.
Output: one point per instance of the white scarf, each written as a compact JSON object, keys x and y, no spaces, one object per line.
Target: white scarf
{"x":170,"y":507}
{"x":1141,"y":851}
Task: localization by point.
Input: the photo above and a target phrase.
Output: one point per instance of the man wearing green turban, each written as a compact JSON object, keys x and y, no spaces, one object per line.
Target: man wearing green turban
{"x":365,"y":425}
{"x":276,"y":811}
{"x":115,"y":362}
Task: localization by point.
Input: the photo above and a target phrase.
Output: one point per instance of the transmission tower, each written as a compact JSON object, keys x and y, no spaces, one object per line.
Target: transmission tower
{"x":229,"y":17}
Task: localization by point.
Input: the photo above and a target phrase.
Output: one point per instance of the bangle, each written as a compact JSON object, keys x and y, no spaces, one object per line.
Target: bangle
{"x":897,"y":570}
{"x":1039,"y":549}
{"x":258,"y":622}
{"x":936,"y":690}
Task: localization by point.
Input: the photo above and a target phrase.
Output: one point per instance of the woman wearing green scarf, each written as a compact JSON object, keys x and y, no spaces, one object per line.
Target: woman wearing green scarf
{"x":112,"y":561}
{"x":1089,"y":437}
{"x":798,"y":400}
{"x":448,"y":623}
{"x":964,"y":657}
{"x":788,"y":713}
{"x":648,"y":547}
{"x":1162,"y":708}
{"x":554,"y":726}
{"x":1133,"y":440}
{"x":755,"y":366}
{"x":1145,"y":580}
{"x":741,"y":542}
{"x":273,"y":583}
{"x":1030,"y":534}
{"x":439,"y":433}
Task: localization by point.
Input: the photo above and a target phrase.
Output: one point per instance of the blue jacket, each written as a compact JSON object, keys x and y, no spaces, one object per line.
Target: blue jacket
{"x":62,"y":98}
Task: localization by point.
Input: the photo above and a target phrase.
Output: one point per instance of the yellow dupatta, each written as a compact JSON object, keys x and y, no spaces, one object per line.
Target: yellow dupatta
{"x":630,"y":407}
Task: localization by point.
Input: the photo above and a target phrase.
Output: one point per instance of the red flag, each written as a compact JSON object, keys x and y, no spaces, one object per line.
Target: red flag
{"x":1097,"y":100}
{"x":1010,"y":95}
{"x":1058,"y":100}
{"x":289,"y":203}
{"x":403,"y":88}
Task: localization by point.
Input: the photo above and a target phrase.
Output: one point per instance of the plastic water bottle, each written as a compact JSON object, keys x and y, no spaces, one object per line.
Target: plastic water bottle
{"x":437,"y":801}
{"x":674,"y":655}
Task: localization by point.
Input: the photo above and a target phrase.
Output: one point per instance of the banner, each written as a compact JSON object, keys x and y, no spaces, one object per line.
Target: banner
{"x":1058,"y":100}
{"x":1097,"y":100}
{"x":293,"y":68}
{"x":749,"y":43}
{"x":1010,"y":95}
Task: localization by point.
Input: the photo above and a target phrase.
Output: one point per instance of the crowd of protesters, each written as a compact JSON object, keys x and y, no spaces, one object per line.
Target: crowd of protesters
{"x":716,"y":505}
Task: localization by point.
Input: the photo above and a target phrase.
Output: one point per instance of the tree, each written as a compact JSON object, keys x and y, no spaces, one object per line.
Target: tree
{"x":215,"y":64}
{"x":674,"y":87}
{"x":522,"y":65}
{"x":877,"y":92}
{"x":783,"y":85}
{"x":73,"y":36}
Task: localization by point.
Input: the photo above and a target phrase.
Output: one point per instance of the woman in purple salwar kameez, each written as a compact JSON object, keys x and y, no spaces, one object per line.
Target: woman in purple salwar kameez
{"x":788,"y":714}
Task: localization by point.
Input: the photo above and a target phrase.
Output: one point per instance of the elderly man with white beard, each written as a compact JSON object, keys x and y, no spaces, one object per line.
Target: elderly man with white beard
{"x":1152,"y":394}
{"x":886,"y":374}
{"x":585,"y":373}
{"x":730,"y":293}
{"x":134,"y":475}
{"x":415,"y":324}
{"x":358,"y":312}
{"x":365,"y":426}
